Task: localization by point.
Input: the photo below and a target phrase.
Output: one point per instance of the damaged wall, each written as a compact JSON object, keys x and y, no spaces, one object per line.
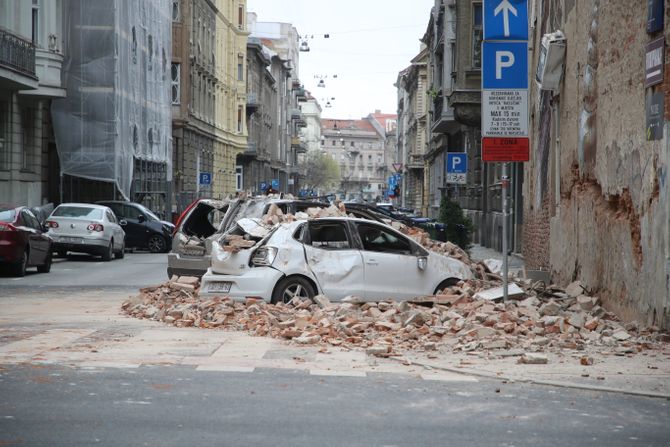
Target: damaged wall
{"x":604,"y":192}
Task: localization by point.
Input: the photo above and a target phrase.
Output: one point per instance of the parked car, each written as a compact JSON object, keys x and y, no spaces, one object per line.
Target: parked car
{"x":86,"y":228}
{"x":336,"y":257}
{"x":206,"y":219}
{"x":23,"y":241}
{"x":142,"y":227}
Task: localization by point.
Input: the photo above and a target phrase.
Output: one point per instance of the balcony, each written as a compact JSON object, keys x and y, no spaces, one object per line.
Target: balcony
{"x":443,"y":116}
{"x":300,"y":94}
{"x":17,"y":62}
{"x":298,"y":145}
{"x":296,"y":114}
{"x":48,"y":67}
{"x":415,"y":161}
{"x":252,"y":102}
{"x":251,"y":149}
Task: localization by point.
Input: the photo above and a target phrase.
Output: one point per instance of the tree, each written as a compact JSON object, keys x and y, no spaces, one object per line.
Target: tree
{"x":459,"y":227}
{"x":322,"y":171}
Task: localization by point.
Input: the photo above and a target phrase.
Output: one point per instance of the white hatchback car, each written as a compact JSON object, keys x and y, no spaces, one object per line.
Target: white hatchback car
{"x":86,"y":228}
{"x":335,"y":257}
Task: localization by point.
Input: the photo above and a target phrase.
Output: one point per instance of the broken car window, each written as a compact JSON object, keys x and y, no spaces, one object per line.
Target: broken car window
{"x":328,"y":235}
{"x":377,"y":239}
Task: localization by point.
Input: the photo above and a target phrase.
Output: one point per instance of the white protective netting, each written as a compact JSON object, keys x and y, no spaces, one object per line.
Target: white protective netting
{"x":117,"y":76}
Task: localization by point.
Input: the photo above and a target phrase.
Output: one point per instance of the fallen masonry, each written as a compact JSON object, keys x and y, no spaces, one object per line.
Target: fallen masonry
{"x":540,"y":321}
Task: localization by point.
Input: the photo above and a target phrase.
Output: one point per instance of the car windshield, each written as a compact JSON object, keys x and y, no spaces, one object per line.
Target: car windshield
{"x":81,"y":212}
{"x":7,"y":215}
{"x":148,"y":213}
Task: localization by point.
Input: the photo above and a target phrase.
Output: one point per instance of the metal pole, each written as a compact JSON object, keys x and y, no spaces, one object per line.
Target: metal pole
{"x":505,"y":187}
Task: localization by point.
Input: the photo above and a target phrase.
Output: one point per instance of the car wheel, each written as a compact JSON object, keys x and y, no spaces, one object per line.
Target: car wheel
{"x":446,"y":283}
{"x":46,"y":267}
{"x":21,"y":266}
{"x":121,"y":253}
{"x":109,"y":252}
{"x":291,"y":287}
{"x":157,"y":244}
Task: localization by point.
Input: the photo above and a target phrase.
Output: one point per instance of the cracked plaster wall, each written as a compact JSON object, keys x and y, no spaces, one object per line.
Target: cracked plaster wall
{"x":611,"y":224}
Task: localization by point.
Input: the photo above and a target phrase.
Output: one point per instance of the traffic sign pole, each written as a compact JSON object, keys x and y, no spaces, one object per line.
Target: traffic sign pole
{"x":505,"y":188}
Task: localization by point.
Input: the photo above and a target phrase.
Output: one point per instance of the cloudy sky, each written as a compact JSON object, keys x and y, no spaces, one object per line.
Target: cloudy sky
{"x":370,"y":42}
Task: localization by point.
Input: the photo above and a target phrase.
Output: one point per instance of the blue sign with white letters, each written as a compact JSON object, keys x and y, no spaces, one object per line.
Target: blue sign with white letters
{"x":504,"y":65}
{"x":457,"y":162}
{"x":275,"y":183}
{"x":264,"y":186}
{"x":205,"y":178}
{"x":505,"y":19}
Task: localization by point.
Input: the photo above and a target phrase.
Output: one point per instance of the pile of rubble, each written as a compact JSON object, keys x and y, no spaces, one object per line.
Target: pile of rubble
{"x":462,"y":318}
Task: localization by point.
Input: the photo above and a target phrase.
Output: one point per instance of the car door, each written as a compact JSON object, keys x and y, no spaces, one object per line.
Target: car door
{"x":333,"y":259}
{"x":117,"y":232}
{"x":136,"y":231}
{"x":391,"y":267}
{"x":38,"y":242}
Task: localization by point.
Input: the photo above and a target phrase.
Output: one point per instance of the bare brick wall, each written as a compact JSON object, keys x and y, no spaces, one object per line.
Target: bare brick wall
{"x":536,"y":237}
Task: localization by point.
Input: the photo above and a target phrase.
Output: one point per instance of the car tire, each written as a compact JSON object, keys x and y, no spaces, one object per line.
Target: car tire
{"x":291,"y":287}
{"x":21,"y":266}
{"x":157,"y":244}
{"x":109,"y":252}
{"x":121,"y":253}
{"x":46,"y":267}
{"x":446,"y":283}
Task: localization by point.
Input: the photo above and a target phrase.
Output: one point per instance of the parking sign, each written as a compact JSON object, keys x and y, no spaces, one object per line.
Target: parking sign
{"x":505,"y":65}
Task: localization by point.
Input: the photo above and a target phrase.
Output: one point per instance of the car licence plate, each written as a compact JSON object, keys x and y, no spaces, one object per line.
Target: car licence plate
{"x":221,"y":287}
{"x":71,"y":240}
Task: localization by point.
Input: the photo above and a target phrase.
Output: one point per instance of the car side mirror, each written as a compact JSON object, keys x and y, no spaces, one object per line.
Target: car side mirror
{"x":422,"y":262}
{"x":123,"y":222}
{"x":141,"y":218}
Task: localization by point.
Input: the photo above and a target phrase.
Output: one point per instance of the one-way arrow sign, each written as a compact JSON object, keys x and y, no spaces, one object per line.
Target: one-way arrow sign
{"x":505,"y":19}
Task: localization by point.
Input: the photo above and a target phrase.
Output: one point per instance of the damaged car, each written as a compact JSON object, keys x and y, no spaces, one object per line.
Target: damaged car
{"x":333,"y":256}
{"x":207,"y":219}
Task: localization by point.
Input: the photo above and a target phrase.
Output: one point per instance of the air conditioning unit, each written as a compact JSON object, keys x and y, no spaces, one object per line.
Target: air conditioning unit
{"x":550,"y":63}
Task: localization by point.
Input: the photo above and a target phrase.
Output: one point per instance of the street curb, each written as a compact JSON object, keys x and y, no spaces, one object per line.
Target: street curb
{"x":487,"y":375}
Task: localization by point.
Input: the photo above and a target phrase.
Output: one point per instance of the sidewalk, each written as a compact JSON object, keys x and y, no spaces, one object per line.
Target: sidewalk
{"x":88,"y":330}
{"x":479,"y":253}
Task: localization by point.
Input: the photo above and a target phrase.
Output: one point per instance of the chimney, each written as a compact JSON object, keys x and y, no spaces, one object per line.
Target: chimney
{"x":378,"y":112}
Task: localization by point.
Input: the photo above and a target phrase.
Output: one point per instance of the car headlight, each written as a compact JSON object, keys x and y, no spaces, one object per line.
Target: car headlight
{"x":264,"y":256}
{"x":168,"y":228}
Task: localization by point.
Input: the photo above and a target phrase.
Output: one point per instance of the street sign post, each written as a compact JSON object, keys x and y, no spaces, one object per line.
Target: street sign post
{"x":505,"y":94}
{"x":457,"y":167}
{"x":205,"y":178}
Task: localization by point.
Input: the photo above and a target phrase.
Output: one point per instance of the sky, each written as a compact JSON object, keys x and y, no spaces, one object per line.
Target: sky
{"x":370,"y":42}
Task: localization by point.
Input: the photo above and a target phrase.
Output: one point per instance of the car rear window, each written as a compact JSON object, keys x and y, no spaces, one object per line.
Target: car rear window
{"x":7,"y":215}
{"x":81,"y":212}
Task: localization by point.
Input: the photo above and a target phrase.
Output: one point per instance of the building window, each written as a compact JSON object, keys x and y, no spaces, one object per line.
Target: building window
{"x":477,"y":35}
{"x":36,"y":22}
{"x":150,"y":50}
{"x":28,"y":134}
{"x":352,"y":144}
{"x":176,"y":83}
{"x":176,"y":14}
{"x":239,"y":178}
{"x":240,"y":68}
{"x":342,"y":141}
{"x":133,"y":48}
{"x":334,"y":143}
{"x":240,"y":17}
{"x":4,"y":130}
{"x":239,"y":118}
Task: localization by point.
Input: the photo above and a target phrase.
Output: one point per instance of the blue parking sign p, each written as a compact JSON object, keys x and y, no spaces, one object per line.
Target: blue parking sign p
{"x":505,"y":65}
{"x":457,"y":162}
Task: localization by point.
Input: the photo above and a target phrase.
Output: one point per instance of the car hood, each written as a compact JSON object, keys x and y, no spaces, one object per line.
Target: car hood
{"x":232,"y":251}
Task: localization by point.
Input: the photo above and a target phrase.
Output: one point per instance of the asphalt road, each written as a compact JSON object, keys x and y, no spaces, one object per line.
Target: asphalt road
{"x":53,"y":406}
{"x":46,"y":403}
{"x":135,"y":270}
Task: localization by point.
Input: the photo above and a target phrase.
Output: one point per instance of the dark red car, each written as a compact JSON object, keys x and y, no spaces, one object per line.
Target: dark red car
{"x":23,"y":241}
